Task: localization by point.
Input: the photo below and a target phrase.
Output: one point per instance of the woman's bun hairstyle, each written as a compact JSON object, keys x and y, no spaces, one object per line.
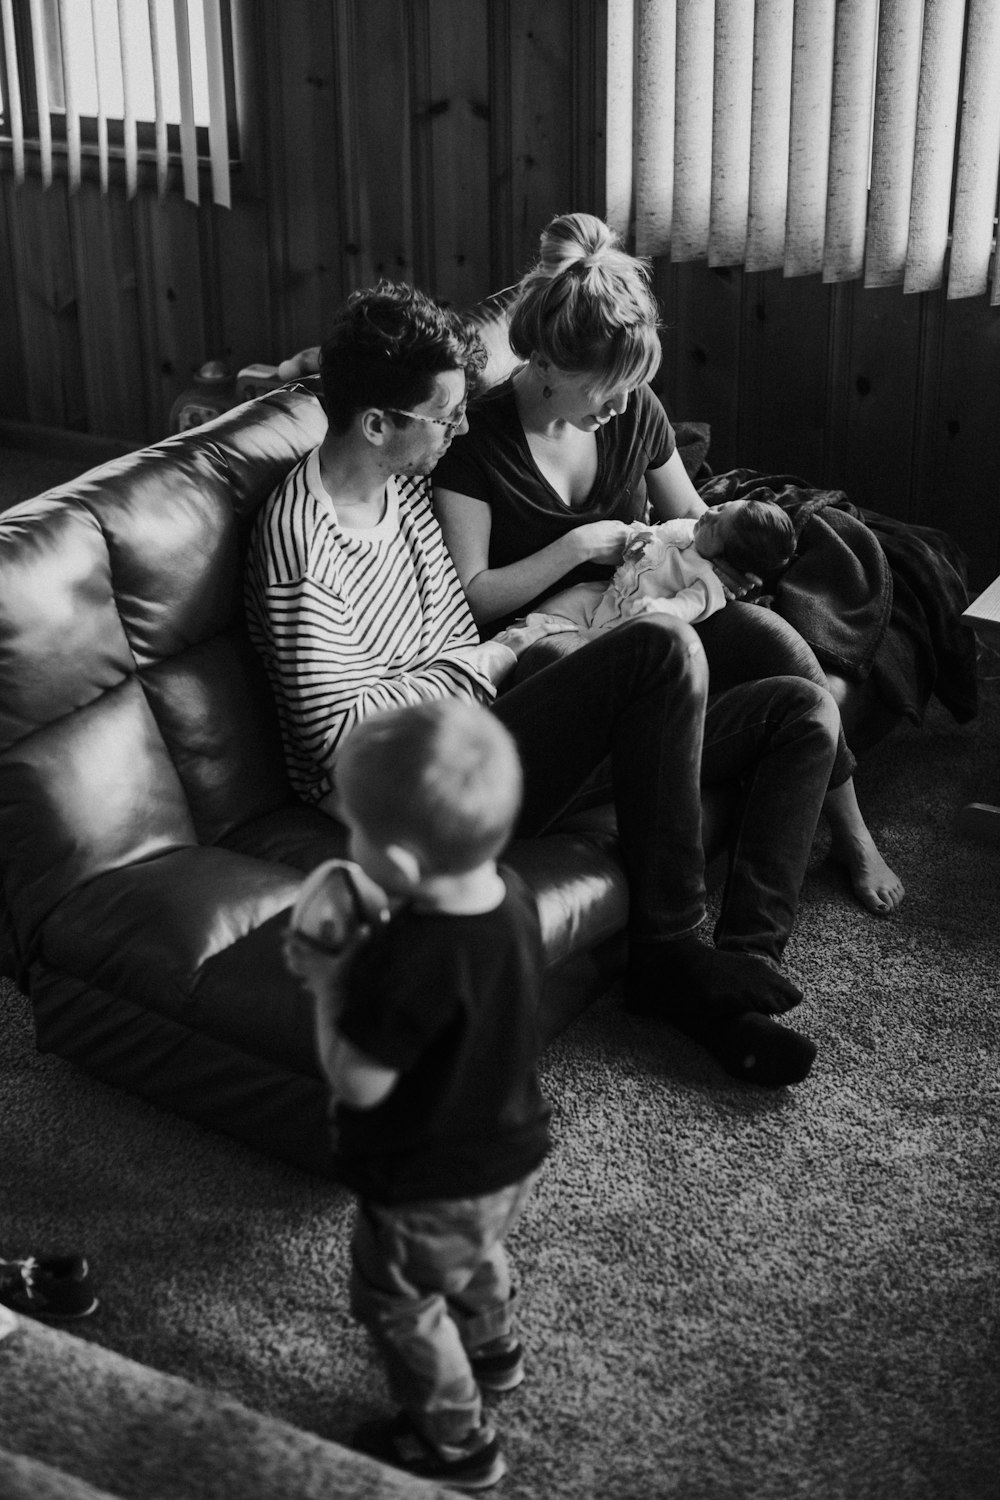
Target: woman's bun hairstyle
{"x":587,"y":305}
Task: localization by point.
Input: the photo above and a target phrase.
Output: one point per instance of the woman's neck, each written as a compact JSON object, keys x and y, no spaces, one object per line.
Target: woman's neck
{"x":533,"y":407}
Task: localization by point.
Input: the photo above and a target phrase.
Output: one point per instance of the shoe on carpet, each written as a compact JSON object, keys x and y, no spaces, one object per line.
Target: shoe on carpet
{"x":397,"y":1442}
{"x":503,"y":1371}
{"x":48,"y":1286}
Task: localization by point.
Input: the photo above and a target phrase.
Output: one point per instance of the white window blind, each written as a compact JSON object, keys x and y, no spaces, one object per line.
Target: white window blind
{"x":846,"y":138}
{"x":119,"y":79}
{"x":853,"y":95}
{"x":770,"y":168}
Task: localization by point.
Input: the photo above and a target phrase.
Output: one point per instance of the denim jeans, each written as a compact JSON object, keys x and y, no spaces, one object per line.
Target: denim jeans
{"x":745,"y":643}
{"x":639,"y":695}
{"x":431,"y":1283}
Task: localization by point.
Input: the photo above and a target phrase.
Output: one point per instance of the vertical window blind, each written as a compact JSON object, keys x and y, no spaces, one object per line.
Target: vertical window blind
{"x":845,"y":138}
{"x":154,"y":70}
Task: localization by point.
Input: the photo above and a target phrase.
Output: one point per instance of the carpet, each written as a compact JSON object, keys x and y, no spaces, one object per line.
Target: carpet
{"x":147,"y":1434}
{"x":725,"y":1294}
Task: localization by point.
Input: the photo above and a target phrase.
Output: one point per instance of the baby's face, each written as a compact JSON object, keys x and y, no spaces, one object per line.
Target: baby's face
{"x":714,"y":527}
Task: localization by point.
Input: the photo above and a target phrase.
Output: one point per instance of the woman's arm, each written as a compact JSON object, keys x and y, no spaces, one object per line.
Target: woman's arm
{"x":495,"y":592}
{"x":671,"y":492}
{"x":672,"y":495}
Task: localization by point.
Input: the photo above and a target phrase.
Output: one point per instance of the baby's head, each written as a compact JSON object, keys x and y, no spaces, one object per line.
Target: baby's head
{"x":755,"y":536}
{"x":431,"y":789}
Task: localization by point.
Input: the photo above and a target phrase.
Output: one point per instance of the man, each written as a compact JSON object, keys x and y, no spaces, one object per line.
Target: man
{"x":355,"y":607}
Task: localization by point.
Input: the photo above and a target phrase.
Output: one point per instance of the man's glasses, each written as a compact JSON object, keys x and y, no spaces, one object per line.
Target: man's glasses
{"x":451,"y":426}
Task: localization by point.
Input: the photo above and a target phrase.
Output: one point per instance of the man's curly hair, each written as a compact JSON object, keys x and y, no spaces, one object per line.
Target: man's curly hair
{"x":387,"y":344}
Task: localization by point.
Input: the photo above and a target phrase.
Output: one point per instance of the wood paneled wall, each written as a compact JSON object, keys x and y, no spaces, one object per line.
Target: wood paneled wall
{"x":427,"y":140}
{"x":431,"y":140}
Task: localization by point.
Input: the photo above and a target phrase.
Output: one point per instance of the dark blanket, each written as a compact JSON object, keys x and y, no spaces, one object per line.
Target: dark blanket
{"x":873,"y":596}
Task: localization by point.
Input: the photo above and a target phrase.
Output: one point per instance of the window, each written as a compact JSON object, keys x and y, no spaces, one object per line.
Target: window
{"x":841,"y":137}
{"x":119,"y":79}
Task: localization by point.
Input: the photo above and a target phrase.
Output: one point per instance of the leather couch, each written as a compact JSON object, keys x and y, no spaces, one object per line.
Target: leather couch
{"x":150,"y":843}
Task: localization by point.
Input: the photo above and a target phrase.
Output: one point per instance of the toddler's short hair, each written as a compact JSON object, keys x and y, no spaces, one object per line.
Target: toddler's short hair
{"x":441,"y":778}
{"x":761,"y":539}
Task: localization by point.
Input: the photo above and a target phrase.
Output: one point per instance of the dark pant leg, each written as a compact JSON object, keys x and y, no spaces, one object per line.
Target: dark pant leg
{"x":637,"y":694}
{"x":746,"y":642}
{"x":778,"y":739}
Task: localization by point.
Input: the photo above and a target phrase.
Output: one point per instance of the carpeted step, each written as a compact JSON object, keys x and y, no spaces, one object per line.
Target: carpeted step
{"x":109,"y":1426}
{"x":27,"y":1479}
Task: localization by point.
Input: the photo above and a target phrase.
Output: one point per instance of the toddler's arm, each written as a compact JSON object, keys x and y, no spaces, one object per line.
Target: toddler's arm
{"x":355,"y":1079}
{"x":320,"y":973}
{"x":333,"y":915}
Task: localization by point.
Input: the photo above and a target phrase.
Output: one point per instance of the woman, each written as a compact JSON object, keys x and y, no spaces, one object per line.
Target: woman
{"x":572,"y":447}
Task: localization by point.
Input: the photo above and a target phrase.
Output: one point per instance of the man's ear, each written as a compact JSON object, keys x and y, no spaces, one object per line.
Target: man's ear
{"x":406,"y":862}
{"x":373,"y":425}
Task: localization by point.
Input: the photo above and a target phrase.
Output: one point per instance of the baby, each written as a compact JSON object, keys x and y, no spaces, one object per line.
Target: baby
{"x":669,"y":569}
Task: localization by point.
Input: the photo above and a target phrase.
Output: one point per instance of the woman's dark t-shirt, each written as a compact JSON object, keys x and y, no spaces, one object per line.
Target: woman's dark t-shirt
{"x":492,"y":462}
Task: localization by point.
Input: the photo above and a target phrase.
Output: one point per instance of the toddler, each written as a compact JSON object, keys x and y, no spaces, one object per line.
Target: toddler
{"x":669,"y":569}
{"x":427,"y":1034}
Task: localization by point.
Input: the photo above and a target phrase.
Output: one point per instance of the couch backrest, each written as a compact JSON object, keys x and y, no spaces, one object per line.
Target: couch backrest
{"x":134,"y":714}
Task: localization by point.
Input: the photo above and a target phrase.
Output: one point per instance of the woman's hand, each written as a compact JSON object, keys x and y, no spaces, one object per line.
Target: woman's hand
{"x":600,"y":541}
{"x":734,"y":583}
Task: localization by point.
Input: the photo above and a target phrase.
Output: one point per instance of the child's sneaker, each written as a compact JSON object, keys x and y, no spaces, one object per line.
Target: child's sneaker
{"x":397,"y":1442}
{"x":502,"y":1371}
{"x":54,"y":1286}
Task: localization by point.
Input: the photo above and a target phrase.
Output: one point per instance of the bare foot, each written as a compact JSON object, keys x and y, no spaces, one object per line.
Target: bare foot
{"x":876,"y":887}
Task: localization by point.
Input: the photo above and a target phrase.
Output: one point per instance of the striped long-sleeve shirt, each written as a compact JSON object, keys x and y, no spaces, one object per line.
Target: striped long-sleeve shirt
{"x":349,"y":620}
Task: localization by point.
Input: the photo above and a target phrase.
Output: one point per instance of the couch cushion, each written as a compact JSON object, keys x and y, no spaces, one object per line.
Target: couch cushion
{"x":161,"y":1058}
{"x":93,"y":792}
{"x":575,"y":876}
{"x":171,"y":536}
{"x":61,"y":641}
{"x":214,"y":709}
{"x":196,"y":933}
{"x":151,"y":932}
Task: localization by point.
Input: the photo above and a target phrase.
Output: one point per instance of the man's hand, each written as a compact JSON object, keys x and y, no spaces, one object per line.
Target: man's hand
{"x":524,"y":633}
{"x":498,"y":656}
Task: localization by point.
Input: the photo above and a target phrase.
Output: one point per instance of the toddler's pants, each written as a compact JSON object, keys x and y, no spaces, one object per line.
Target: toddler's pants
{"x":431,"y":1283}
